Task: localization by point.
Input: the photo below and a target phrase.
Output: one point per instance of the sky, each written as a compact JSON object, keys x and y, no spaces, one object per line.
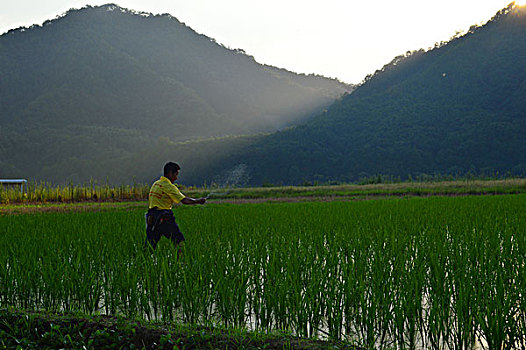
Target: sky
{"x":343,"y":39}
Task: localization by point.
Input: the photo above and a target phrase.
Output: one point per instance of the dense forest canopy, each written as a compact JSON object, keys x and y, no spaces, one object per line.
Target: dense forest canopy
{"x":104,"y":83}
{"x":456,"y":109}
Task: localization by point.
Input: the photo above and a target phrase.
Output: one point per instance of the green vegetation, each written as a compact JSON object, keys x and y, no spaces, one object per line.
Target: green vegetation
{"x":404,"y":273}
{"x":47,"y":193}
{"x":458,"y":109}
{"x":91,"y":89}
{"x":43,"y":192}
{"x":110,"y":105}
{"x":44,"y":330}
{"x":360,"y":191}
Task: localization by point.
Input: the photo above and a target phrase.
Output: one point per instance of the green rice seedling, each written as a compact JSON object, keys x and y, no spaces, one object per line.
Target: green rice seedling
{"x":256,"y":266}
{"x":436,"y":273}
{"x":462,"y":327}
{"x":230,"y":286}
{"x":149,"y":298}
{"x":276,"y":287}
{"x":438,"y":294}
{"x":332,"y":286}
{"x":168,"y":287}
{"x":521,"y":317}
{"x":298,"y":269}
{"x":407,"y":303}
{"x":189,"y":290}
{"x":195,"y":289}
{"x":498,"y":320}
{"x":520,"y":240}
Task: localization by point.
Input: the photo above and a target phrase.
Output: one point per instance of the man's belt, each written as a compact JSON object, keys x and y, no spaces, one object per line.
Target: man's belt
{"x":155,"y":217}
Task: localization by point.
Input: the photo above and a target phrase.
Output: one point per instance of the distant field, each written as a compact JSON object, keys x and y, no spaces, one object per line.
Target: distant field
{"x":404,"y":273}
{"x":463,"y":187}
{"x":42,"y":193}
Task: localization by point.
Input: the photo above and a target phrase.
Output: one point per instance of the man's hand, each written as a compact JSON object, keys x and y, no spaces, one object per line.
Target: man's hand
{"x":192,"y":201}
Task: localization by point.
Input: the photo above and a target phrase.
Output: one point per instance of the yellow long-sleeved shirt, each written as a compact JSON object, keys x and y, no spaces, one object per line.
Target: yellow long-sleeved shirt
{"x":163,"y":194}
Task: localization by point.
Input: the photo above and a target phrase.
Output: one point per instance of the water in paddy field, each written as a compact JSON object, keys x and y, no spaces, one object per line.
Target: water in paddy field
{"x":293,"y":267}
{"x":321,"y":331}
{"x":253,"y":321}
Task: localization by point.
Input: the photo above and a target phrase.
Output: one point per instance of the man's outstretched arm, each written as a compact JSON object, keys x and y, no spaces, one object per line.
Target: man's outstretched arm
{"x":192,"y":201}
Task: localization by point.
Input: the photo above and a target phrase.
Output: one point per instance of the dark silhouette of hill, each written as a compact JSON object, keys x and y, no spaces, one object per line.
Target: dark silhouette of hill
{"x":104,"y":83}
{"x":457,"y":109}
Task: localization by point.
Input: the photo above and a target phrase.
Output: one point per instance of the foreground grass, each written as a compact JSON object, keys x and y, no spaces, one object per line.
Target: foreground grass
{"x":24,"y":208}
{"x":45,"y":330}
{"x":460,"y":187}
{"x":385,"y":273}
{"x":38,"y":194}
{"x":53,"y":199}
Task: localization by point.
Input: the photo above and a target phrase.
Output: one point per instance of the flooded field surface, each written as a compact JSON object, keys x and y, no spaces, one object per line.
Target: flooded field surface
{"x":439,"y":272}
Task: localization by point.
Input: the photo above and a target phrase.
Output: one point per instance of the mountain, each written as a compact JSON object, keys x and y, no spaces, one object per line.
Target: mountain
{"x":457,"y":109}
{"x":103,"y":84}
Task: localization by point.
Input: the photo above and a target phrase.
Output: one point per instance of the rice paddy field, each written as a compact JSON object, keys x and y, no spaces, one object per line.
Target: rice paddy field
{"x":93,"y":192}
{"x":399,"y":273}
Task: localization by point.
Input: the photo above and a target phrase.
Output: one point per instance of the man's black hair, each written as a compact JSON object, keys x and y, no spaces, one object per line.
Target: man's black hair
{"x":171,"y":167}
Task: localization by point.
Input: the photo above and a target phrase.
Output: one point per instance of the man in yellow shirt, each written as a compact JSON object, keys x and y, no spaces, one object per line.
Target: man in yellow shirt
{"x":160,"y":220}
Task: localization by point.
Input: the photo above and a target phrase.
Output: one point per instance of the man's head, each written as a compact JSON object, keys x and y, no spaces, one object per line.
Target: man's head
{"x":171,"y":171}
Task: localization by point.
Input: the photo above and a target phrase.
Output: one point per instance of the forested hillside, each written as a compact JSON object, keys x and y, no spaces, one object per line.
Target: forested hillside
{"x":457,"y":109}
{"x":103,"y":84}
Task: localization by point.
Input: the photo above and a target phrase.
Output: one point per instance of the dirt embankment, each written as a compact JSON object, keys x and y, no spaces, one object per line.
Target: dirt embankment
{"x":19,"y":329}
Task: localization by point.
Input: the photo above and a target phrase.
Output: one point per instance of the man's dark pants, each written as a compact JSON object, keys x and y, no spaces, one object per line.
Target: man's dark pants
{"x":161,"y":223}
